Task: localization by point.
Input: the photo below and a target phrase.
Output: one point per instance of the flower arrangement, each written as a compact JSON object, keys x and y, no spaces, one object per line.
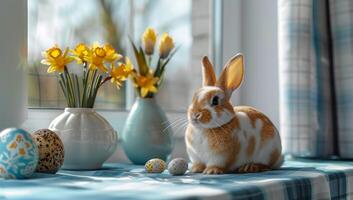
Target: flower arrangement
{"x":147,"y":80}
{"x":101,"y":63}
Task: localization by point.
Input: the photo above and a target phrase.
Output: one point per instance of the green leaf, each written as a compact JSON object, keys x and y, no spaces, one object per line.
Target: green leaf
{"x":161,"y":67}
{"x":144,"y":66}
{"x":78,"y":90}
{"x":158,"y":68}
{"x":140,"y":58}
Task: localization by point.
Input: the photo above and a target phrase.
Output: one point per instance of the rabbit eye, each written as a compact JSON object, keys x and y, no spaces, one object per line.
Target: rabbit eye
{"x":215,"y":101}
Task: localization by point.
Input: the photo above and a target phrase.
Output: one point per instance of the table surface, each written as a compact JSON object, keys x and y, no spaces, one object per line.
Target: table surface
{"x":297,"y":179}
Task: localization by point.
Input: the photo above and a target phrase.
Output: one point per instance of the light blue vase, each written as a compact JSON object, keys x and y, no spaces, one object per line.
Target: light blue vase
{"x":147,"y":133}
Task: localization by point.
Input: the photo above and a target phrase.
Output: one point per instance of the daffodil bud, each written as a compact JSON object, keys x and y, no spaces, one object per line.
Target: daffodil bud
{"x":149,"y":38}
{"x":165,"y":46}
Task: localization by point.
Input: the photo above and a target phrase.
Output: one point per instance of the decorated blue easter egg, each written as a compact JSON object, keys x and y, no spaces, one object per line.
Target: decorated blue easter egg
{"x":18,"y":154}
{"x":155,"y":166}
{"x":177,"y":166}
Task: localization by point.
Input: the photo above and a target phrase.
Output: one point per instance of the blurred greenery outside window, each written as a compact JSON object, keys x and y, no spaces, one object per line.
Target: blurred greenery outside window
{"x":68,"y":22}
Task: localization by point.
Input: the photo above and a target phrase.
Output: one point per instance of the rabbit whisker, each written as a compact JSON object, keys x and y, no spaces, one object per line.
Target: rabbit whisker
{"x":181,"y":127}
{"x":174,"y":124}
{"x":167,"y":121}
{"x":176,"y":121}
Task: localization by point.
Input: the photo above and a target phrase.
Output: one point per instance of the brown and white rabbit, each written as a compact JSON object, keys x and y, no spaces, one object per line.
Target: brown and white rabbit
{"x":221,"y":138}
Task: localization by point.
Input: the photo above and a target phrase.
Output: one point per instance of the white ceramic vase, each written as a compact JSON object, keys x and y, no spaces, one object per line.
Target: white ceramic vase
{"x":89,"y":140}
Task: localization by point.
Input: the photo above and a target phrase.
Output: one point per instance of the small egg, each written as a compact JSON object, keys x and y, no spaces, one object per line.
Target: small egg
{"x":177,"y":166}
{"x":51,"y":151}
{"x":18,"y":154}
{"x":155,"y":165}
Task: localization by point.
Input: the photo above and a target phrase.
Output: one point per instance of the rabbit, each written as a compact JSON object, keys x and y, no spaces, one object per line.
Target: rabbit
{"x":221,"y":138}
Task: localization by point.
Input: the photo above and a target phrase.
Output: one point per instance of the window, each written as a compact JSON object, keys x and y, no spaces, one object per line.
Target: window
{"x":68,"y":22}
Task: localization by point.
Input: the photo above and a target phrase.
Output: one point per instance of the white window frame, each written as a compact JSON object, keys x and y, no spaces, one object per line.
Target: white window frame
{"x":234,"y":39}
{"x":250,"y":27}
{"x":39,"y":117}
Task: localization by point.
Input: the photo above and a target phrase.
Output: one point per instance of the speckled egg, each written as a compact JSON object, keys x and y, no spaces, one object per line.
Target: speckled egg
{"x":51,"y":151}
{"x":155,"y":166}
{"x":18,"y":154}
{"x":177,"y":166}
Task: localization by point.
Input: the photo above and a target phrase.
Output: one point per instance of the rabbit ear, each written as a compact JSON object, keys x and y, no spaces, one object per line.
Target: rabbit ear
{"x":208,"y":75}
{"x":232,"y":75}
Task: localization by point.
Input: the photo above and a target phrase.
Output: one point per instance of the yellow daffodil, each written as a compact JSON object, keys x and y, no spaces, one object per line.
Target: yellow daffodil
{"x":56,"y":59}
{"x":149,"y":39}
{"x":96,"y":59}
{"x":99,"y":55}
{"x":79,"y":53}
{"x":111,"y":55}
{"x":165,"y":46}
{"x":116,"y":75}
{"x":128,"y":68}
{"x":121,"y":72}
{"x":146,"y":83}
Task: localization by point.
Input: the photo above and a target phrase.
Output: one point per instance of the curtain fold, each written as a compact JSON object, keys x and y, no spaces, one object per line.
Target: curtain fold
{"x":316,"y":77}
{"x":341,"y":16}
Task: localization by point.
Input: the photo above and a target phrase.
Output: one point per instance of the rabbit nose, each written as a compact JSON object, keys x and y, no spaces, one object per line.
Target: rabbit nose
{"x":196,"y":116}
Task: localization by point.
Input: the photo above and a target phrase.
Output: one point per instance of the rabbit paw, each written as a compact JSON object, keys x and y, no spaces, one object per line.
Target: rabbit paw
{"x":197,"y":167}
{"x":213,"y":170}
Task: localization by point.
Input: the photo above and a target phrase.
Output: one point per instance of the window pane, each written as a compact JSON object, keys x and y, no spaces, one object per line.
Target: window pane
{"x":67,"y":22}
{"x":173,"y":17}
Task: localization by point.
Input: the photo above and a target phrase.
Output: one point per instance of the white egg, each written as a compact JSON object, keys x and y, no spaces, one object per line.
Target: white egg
{"x":178,"y":166}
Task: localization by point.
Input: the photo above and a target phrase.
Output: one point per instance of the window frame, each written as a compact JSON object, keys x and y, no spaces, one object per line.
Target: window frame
{"x":234,"y":39}
{"x":41,"y":117}
{"x":130,"y":94}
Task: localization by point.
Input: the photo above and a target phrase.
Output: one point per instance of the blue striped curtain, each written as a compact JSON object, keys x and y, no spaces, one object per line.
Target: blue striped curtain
{"x":316,"y":77}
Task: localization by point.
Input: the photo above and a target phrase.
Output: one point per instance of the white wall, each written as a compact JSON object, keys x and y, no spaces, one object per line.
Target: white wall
{"x":250,"y":27}
{"x":13,"y":41}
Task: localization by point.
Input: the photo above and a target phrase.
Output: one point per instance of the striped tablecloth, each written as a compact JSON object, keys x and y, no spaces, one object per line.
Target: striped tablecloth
{"x":298,"y":179}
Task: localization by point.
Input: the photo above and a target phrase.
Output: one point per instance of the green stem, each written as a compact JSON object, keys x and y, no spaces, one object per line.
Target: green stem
{"x":105,"y":80}
{"x":85,"y":86}
{"x":96,"y":88}
{"x":149,"y":95}
{"x":66,"y":88}
{"x":149,"y":60}
{"x":70,"y":86}
{"x":91,"y":87}
{"x":138,"y":91}
{"x":63,"y":88}
{"x":78,"y":90}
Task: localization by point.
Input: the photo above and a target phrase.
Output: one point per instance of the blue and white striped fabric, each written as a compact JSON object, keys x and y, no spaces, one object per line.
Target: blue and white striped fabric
{"x":297,"y":179}
{"x":315,"y":42}
{"x":342,"y":36}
